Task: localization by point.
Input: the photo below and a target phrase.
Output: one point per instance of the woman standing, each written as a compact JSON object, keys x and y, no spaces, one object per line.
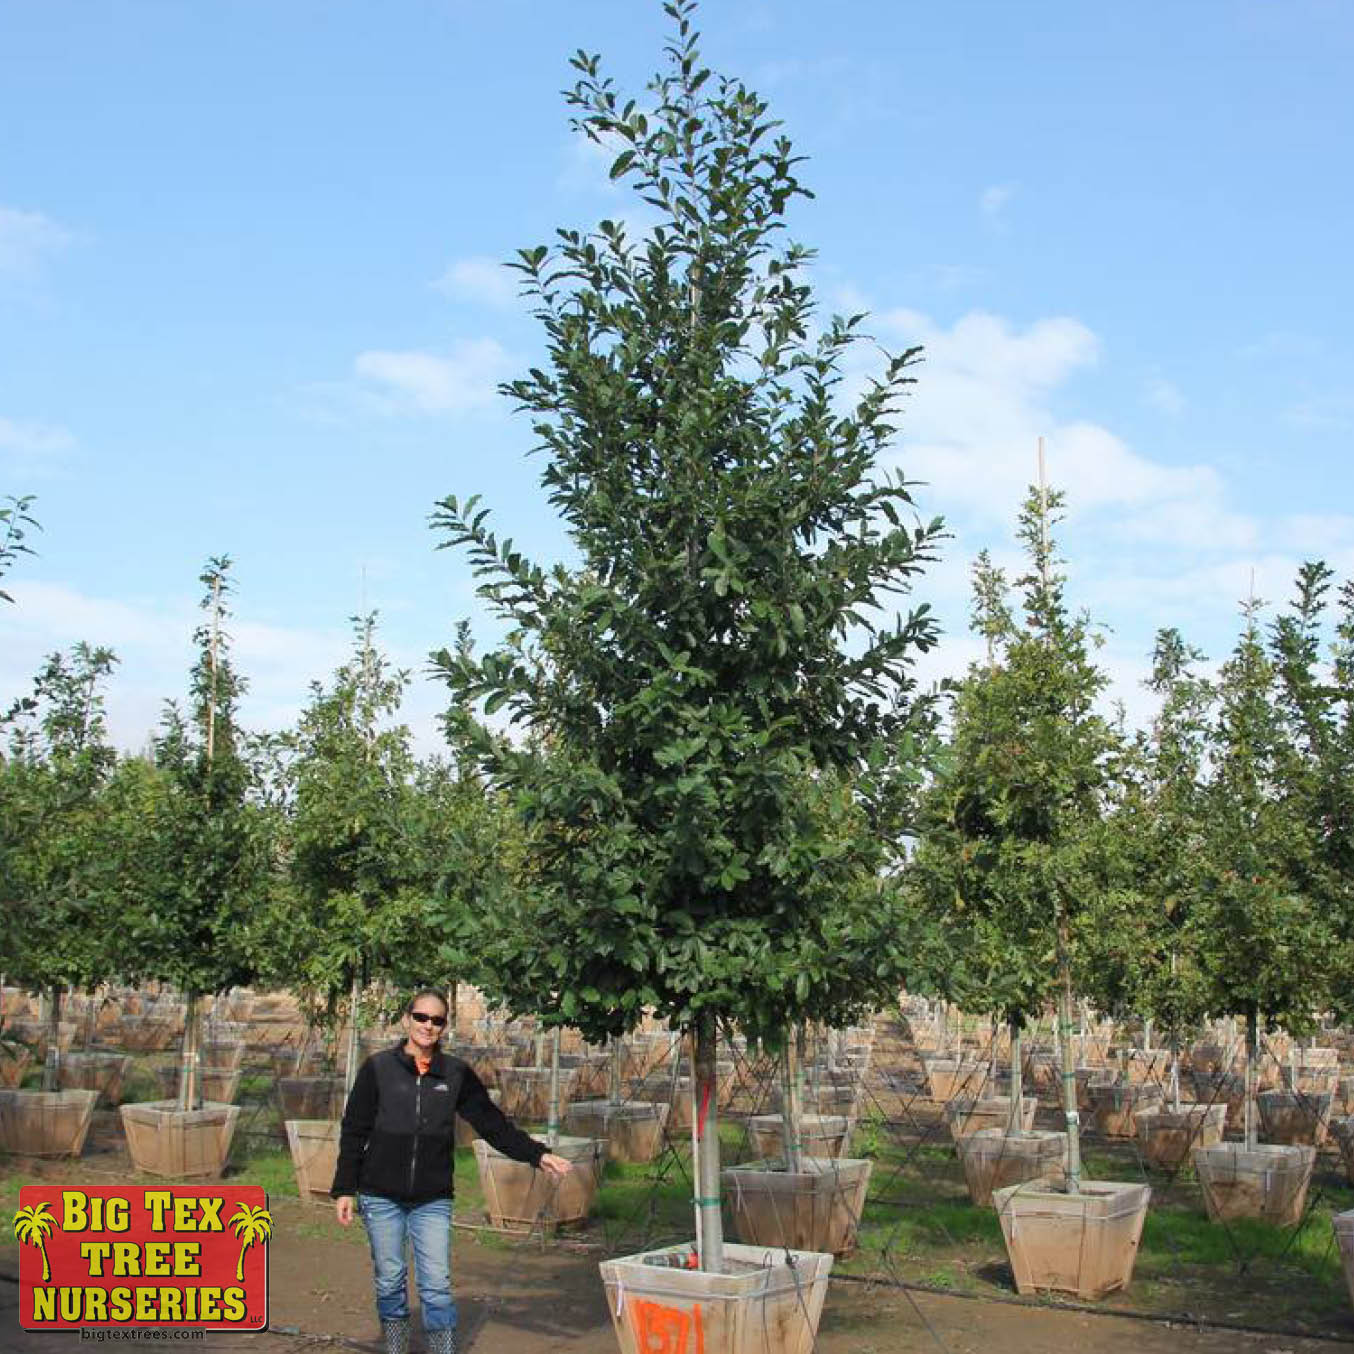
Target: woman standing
{"x":395,"y":1160}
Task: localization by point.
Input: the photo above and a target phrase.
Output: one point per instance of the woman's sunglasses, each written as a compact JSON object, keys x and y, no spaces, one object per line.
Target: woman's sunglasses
{"x":423,"y":1018}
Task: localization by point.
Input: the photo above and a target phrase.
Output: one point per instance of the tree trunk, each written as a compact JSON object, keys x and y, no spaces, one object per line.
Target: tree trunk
{"x":792,"y":1116}
{"x":705,"y":1130}
{"x":552,"y":1109}
{"x":189,"y":1079}
{"x":1016,"y":1122}
{"x":51,"y":1068}
{"x":1069,"y":1061}
{"x":1252,"y":1041}
{"x":613,"y":1089}
{"x":350,"y":1055}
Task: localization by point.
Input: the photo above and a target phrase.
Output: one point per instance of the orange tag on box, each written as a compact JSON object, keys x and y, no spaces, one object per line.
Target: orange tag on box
{"x":145,"y":1255}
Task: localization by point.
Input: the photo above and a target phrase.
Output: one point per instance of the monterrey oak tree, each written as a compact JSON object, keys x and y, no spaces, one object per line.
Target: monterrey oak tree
{"x":351,"y":858}
{"x":717,"y":672}
{"x":960,"y":881}
{"x":1140,"y":956}
{"x":1317,"y":702}
{"x":58,"y":917}
{"x":1263,"y":942}
{"x":1014,"y":836}
{"x":201,"y":860}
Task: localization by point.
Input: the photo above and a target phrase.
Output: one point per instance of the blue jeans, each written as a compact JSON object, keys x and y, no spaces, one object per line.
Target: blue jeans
{"x":428,"y":1228}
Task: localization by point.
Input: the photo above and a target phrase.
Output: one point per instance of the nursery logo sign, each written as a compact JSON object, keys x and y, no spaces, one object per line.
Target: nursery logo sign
{"x":192,"y":1256}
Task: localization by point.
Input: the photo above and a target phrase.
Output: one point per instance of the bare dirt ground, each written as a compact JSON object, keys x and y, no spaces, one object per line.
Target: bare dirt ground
{"x":516,"y":1298}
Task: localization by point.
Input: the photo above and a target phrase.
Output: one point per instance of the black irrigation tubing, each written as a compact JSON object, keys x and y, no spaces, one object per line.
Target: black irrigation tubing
{"x":1190,"y":1319}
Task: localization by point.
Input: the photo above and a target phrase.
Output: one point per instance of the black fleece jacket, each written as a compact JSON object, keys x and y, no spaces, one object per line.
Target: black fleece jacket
{"x":398,"y":1128}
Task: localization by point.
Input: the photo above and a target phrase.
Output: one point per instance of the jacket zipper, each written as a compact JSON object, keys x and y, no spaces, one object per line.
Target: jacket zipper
{"x":418,"y":1122}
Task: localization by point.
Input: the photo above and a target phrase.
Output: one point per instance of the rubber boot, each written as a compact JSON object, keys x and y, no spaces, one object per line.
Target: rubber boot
{"x":442,"y":1341}
{"x":396,"y":1335}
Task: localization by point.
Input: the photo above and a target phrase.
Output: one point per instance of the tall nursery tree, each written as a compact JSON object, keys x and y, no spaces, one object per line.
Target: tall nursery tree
{"x":723,"y":640}
{"x":1264,"y":942}
{"x":1316,"y":685}
{"x":971,"y":896}
{"x":352,"y":858}
{"x":201,"y":857}
{"x":58,"y":920}
{"x":1141,"y":956}
{"x":1019,"y":840}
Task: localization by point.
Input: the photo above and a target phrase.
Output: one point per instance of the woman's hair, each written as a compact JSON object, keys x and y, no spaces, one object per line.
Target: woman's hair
{"x":428,"y":992}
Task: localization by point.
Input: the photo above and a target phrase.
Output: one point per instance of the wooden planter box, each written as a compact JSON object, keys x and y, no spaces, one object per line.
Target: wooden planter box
{"x":1209,"y":1061}
{"x":816,"y":1209}
{"x":753,"y":1083}
{"x":311,"y":1062}
{"x":45,"y":1123}
{"x":1268,"y":1181}
{"x":947,"y":1078}
{"x":587,"y":1073}
{"x":314,"y":1145}
{"x":35,"y":1034}
{"x":759,"y":1305}
{"x":1082,"y":1243}
{"x":223,"y":1055}
{"x":310,"y":1097}
{"x":1166,"y":1137}
{"x":824,"y":1135}
{"x":102,"y":1073}
{"x":149,"y":1033}
{"x":993,"y":1160}
{"x":526,"y":1092}
{"x":1115,"y":1107}
{"x":217,"y":1086}
{"x":179,"y":1144}
{"x":1147,"y":1066}
{"x":994,"y":1112}
{"x":1291,"y":1117}
{"x":1342,"y":1133}
{"x":482,"y":1059}
{"x":14,"y":1062}
{"x":519,"y":1198}
{"x":633,"y":1129}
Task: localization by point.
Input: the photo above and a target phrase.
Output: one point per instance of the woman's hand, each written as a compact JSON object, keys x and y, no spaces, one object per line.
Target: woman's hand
{"x":343,"y":1209}
{"x":556,"y":1165}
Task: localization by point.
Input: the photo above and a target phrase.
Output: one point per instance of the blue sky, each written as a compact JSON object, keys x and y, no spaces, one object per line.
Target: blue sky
{"x":250,"y":301}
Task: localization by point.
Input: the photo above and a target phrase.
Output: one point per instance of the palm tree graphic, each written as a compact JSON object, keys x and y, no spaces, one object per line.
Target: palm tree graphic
{"x":31,"y":1226}
{"x":251,"y":1223}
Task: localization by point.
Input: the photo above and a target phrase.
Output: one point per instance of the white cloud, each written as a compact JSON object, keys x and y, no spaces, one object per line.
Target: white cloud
{"x":1322,"y":413}
{"x":996,"y":198}
{"x":480,"y":279}
{"x":1165,"y":396}
{"x":153,"y":640}
{"x":27,"y":239}
{"x":419,"y":382}
{"x":29,"y":442}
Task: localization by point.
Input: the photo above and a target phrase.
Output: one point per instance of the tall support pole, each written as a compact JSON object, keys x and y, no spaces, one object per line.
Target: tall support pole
{"x":350,"y":1058}
{"x":1252,"y":1045}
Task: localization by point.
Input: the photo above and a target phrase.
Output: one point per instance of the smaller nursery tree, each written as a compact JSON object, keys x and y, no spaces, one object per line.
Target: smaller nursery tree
{"x":201,"y":860}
